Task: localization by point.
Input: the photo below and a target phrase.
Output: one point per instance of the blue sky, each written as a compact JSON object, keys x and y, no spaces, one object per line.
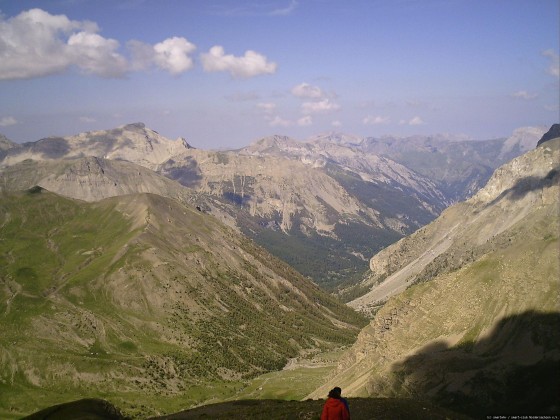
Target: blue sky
{"x":224,"y":73}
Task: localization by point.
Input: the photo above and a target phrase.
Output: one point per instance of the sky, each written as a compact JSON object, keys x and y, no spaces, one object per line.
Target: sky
{"x":225,"y":73}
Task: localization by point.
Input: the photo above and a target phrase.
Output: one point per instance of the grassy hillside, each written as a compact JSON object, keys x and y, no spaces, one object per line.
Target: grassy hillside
{"x":145,"y":302}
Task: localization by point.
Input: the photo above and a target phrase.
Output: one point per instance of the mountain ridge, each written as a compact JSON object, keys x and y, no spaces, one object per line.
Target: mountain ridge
{"x":473,"y":328}
{"x":143,"y":295}
{"x":315,"y":201}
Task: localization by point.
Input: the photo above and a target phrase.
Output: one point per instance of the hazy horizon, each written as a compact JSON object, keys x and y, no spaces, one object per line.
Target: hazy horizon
{"x":223,"y":74}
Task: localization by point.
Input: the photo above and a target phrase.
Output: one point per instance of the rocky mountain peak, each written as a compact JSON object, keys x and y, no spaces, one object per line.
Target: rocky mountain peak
{"x":132,"y":142}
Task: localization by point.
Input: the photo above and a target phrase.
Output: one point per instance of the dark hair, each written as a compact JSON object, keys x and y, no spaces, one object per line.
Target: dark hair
{"x":335,"y":392}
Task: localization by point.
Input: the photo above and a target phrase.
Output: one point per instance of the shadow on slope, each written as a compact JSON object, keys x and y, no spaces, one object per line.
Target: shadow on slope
{"x":514,"y":370}
{"x":361,"y":409}
{"x":528,"y":184}
{"x":89,"y":408}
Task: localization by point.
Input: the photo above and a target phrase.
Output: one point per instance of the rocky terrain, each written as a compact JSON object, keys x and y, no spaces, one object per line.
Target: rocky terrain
{"x":456,"y":165}
{"x":324,"y":206}
{"x":470,"y":316}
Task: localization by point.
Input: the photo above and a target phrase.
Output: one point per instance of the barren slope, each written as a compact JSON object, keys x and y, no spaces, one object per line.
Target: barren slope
{"x":479,"y":330}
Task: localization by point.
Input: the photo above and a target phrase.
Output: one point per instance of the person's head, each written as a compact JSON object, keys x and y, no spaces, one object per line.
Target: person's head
{"x":335,"y":392}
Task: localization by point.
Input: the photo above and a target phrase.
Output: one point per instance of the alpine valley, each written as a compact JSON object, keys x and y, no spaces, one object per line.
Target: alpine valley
{"x":158,"y":276}
{"x":324,"y":206}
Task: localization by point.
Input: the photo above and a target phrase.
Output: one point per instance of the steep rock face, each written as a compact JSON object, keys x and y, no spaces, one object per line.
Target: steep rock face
{"x":310,"y":207}
{"x":462,"y":231}
{"x":271,"y":186}
{"x":143,"y":295}
{"x":481,"y":321}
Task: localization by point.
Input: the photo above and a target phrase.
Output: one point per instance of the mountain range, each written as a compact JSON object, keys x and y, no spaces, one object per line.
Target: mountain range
{"x":324,"y":206}
{"x":127,"y":275}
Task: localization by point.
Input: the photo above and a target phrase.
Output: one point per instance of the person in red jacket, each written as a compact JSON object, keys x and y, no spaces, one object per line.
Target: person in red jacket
{"x":336,"y":407}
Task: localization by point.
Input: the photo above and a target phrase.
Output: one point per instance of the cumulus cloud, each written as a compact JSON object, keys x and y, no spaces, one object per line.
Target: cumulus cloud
{"x":87,"y":119}
{"x":7,"y":121}
{"x":173,"y":55}
{"x":323,"y":106}
{"x":336,"y":123}
{"x":36,"y":43}
{"x":554,"y":67}
{"x":376,"y":120}
{"x":305,"y":90}
{"x":523,"y":94}
{"x":249,"y":65}
{"x":96,"y":55}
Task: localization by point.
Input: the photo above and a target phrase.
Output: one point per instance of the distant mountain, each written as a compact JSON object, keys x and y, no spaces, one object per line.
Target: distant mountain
{"x":133,"y":142}
{"x":323,"y":219}
{"x":458,"y":167}
{"x":6,"y":144}
{"x":140,"y":295}
{"x":471,"y":321}
{"x":323,"y":206}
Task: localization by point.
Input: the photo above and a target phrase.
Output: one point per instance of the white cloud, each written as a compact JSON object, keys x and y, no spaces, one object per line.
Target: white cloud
{"x":304,"y":121}
{"x":7,"y":121}
{"x":376,"y":120}
{"x":250,"y":65}
{"x":172,"y":55}
{"x":36,"y":44}
{"x":554,"y":67}
{"x":336,"y":123}
{"x":30,"y":44}
{"x":305,"y":90}
{"x":555,"y":108}
{"x":279,"y":122}
{"x":523,"y":94}
{"x":87,"y":119}
{"x":325,"y":105}
{"x":96,"y":55}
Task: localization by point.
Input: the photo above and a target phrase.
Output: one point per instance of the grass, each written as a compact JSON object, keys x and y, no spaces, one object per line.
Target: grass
{"x":154,"y":320}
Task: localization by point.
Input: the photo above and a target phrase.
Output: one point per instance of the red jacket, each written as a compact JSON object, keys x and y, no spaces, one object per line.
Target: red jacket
{"x":334,"y":409}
